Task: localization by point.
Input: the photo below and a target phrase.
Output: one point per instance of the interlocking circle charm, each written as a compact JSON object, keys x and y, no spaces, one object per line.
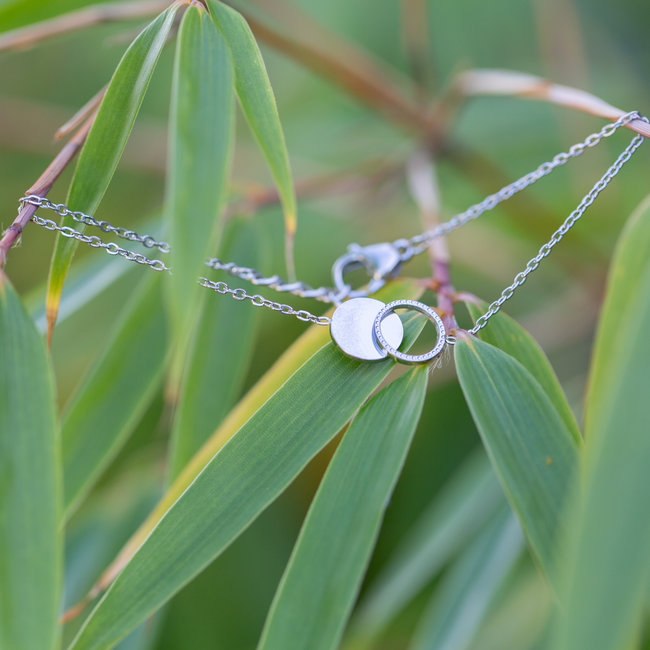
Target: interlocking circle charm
{"x":388,"y":310}
{"x":352,"y":329}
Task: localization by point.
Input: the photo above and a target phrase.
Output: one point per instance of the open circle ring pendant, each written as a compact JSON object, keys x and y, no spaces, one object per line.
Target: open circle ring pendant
{"x":427,"y":311}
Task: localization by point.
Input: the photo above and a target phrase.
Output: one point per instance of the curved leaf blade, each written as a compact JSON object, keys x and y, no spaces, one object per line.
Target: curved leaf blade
{"x":460,"y":604}
{"x":116,"y":393}
{"x":247,"y":474}
{"x":258,"y":102}
{"x":200,"y":143}
{"x":219,"y":358}
{"x":532,"y":450}
{"x":329,"y":559}
{"x":607,"y":565}
{"x":506,"y":334}
{"x":296,"y":355}
{"x":30,"y":484}
{"x":106,"y":141}
{"x":463,"y":506}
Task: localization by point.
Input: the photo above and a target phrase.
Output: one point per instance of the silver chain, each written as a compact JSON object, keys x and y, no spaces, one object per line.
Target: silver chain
{"x":405,"y":248}
{"x":419,"y":243}
{"x":569,"y":222}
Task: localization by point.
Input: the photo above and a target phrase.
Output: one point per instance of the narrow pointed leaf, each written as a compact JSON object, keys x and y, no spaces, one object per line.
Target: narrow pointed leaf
{"x":608,"y":560}
{"x":30,"y":490}
{"x":249,"y":472}
{"x":106,"y":140}
{"x":506,"y":334}
{"x":200,"y":143}
{"x":258,"y":102}
{"x":444,"y":529}
{"x":217,"y":363}
{"x":324,"y":574}
{"x":533,"y":452}
{"x":116,"y":393}
{"x":297,"y":354}
{"x":460,"y":604}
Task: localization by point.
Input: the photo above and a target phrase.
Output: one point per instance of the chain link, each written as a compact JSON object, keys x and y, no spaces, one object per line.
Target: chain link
{"x":261,"y":301}
{"x":419,"y":243}
{"x":158,"y":265}
{"x":406,"y":248}
{"x":275,"y":282}
{"x":60,"y":208}
{"x":557,"y":236}
{"x":111,"y":247}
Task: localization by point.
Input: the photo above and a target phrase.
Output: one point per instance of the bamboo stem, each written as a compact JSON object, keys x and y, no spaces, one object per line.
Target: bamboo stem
{"x":42,"y":186}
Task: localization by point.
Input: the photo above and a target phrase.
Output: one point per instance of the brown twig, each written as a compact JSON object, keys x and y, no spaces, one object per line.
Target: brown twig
{"x":518,"y":84}
{"x":42,"y":186}
{"x":424,"y":189}
{"x":86,"y":110}
{"x":75,"y":20}
{"x":370,"y":174}
{"x":365,"y":80}
{"x":416,"y":43}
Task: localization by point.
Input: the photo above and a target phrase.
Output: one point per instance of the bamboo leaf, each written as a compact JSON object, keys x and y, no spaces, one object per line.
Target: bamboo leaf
{"x":460,"y":603}
{"x":506,"y":334}
{"x":30,"y":490}
{"x":607,"y":565}
{"x":221,"y":349}
{"x":200,"y":143}
{"x":106,"y":140}
{"x":116,"y":393}
{"x":297,"y":354}
{"x":258,"y":102}
{"x":444,"y":529}
{"x":248,"y":473}
{"x":532,"y":450}
{"x":329,"y":559}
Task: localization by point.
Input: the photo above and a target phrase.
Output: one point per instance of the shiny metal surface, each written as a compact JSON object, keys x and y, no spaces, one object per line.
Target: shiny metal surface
{"x":352,"y":329}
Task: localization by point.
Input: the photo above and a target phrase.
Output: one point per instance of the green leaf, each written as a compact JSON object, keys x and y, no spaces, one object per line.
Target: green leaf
{"x":532,"y":450}
{"x":296,"y":355}
{"x":324,"y":573}
{"x":105,"y":143}
{"x":449,"y":523}
{"x":200,"y":143}
{"x":258,"y":102}
{"x":30,"y":485}
{"x":460,"y":603}
{"x":242,"y":479}
{"x":221,"y":350}
{"x":506,"y":334}
{"x":113,"y":398}
{"x":607,"y":565}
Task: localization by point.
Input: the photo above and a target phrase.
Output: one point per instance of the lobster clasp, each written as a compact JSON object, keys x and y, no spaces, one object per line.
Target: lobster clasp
{"x":381,"y":262}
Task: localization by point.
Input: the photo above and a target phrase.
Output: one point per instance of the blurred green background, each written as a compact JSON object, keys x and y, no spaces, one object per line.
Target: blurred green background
{"x":596,"y":45}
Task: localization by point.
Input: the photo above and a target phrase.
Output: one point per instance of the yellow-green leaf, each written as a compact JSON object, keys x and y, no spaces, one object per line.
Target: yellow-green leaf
{"x":200,"y":143}
{"x":607,"y":565}
{"x":106,"y":140}
{"x":30,"y":484}
{"x":248,"y":473}
{"x":297,"y":354}
{"x":324,"y":574}
{"x":532,"y":450}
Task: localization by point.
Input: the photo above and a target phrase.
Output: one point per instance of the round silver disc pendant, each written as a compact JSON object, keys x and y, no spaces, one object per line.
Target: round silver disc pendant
{"x":352,"y":329}
{"x":389,"y":311}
